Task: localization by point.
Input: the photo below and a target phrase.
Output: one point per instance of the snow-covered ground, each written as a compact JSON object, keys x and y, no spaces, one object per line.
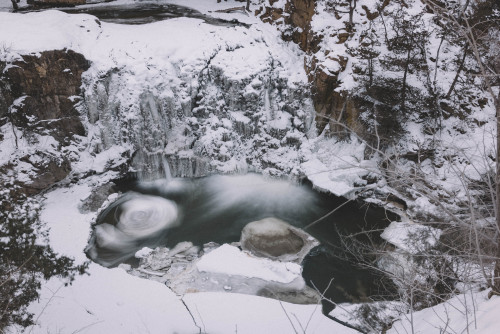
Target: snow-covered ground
{"x":466,"y":313}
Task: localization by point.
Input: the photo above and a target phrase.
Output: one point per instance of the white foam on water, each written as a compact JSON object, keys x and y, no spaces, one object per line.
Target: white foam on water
{"x":144,"y":216}
{"x":261,"y":192}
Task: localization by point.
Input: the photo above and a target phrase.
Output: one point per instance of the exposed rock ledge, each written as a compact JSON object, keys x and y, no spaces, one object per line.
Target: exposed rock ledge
{"x":38,"y":119}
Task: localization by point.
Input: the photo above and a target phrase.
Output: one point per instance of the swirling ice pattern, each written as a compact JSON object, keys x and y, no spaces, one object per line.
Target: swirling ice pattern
{"x":145,"y":215}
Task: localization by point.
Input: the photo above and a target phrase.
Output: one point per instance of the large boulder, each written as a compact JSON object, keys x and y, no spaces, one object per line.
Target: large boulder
{"x":275,"y":239}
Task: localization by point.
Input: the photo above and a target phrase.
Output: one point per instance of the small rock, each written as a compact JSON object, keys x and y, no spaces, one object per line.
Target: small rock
{"x":144,"y":252}
{"x":175,"y":270}
{"x":210,"y":246}
{"x":193,"y":251}
{"x":151,"y":272}
{"x":124,"y":266}
{"x":96,"y":199}
{"x":180,"y":247}
{"x":158,"y":259}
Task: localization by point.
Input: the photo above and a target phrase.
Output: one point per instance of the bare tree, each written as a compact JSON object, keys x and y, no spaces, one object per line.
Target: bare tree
{"x":344,"y":7}
{"x":483,"y":39}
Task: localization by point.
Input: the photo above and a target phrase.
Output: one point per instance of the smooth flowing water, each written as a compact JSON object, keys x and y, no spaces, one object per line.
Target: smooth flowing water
{"x":146,"y":12}
{"x":216,"y":208}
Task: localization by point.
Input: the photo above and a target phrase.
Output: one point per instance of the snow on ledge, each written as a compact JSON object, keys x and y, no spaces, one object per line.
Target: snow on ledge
{"x":411,"y":237}
{"x":337,"y":167}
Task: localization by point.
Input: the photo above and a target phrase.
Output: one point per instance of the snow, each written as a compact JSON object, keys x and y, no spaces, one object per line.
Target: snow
{"x":247,"y":265}
{"x":157,"y":59}
{"x":109,"y":301}
{"x":240,"y":117}
{"x":101,"y":161}
{"x":386,"y":311}
{"x":16,"y":145}
{"x":143,"y":252}
{"x":233,"y":313}
{"x":69,"y":229}
{"x":467,"y":313}
{"x":410,"y":236}
{"x":337,"y":167}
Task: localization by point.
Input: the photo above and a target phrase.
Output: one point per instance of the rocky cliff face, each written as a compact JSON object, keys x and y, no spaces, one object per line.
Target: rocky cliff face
{"x":38,"y":116}
{"x":374,"y":65}
{"x":236,"y":98}
{"x":209,"y":110}
{"x":294,"y":18}
{"x":42,"y":92}
{"x":391,"y":74}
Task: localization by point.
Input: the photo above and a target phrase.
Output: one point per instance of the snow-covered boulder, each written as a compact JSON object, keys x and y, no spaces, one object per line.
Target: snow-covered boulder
{"x":275,"y":239}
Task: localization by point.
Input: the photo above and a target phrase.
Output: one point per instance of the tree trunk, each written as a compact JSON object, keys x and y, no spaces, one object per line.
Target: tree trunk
{"x":460,"y":67}
{"x":403,"y":93}
{"x":370,"y":71}
{"x":14,"y":4}
{"x":352,"y":6}
{"x":248,"y":6}
{"x":496,"y":273}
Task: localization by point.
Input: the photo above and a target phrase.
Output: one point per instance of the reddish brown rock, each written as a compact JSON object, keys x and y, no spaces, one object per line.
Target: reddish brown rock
{"x":47,"y":169}
{"x":41,"y":88}
{"x":37,"y":95}
{"x":331,"y":106}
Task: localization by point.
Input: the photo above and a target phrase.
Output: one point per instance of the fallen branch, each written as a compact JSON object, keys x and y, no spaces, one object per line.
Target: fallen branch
{"x":191,"y":314}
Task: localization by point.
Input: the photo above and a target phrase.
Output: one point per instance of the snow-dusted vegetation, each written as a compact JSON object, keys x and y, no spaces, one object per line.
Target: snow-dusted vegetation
{"x":305,"y":166}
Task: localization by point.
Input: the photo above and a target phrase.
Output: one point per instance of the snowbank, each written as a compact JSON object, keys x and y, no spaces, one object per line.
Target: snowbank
{"x":232,"y":313}
{"x":467,"y":313}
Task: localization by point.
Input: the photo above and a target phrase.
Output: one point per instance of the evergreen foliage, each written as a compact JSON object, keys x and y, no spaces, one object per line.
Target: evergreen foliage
{"x":26,"y":259}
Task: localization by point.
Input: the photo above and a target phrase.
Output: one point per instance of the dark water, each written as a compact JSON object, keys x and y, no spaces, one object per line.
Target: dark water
{"x":217,"y":208}
{"x":142,"y":13}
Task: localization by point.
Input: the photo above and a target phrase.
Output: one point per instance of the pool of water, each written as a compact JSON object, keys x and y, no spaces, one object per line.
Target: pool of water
{"x":216,"y":208}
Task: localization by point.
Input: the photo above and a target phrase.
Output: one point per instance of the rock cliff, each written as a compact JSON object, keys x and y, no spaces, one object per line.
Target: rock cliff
{"x":38,"y":116}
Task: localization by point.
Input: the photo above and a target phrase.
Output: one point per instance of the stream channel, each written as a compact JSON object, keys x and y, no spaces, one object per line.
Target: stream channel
{"x":146,"y":12}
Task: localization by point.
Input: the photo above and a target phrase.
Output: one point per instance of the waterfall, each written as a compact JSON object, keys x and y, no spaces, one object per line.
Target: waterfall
{"x":176,"y":126}
{"x":151,"y":166}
